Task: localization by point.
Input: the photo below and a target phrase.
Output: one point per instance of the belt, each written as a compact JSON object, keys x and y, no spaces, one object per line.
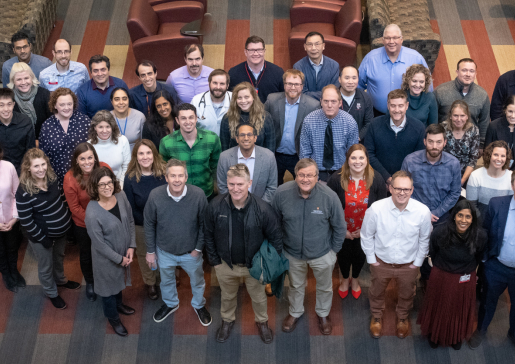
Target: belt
{"x":394,"y":265}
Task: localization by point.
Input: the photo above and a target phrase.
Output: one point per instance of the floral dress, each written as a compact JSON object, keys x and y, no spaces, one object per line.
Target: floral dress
{"x":356,"y":203}
{"x":466,"y":149}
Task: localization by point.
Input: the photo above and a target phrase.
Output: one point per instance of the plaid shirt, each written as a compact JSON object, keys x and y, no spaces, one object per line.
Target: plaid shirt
{"x":201,"y":159}
{"x":345,"y":134}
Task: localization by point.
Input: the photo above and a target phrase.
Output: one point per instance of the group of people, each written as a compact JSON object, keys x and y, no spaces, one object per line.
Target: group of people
{"x":193,"y":169}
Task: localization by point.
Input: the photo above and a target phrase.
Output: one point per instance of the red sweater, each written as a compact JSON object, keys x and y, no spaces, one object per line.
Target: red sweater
{"x":76,"y":197}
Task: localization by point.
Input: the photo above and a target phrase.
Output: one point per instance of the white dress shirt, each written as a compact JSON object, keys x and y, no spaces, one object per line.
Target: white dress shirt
{"x":249,"y":162}
{"x":396,"y":128}
{"x":394,"y":236}
{"x":177,"y":199}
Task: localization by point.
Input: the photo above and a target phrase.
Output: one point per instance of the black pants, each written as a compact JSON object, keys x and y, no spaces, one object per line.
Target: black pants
{"x":110,"y":303}
{"x":9,"y":245}
{"x":86,"y":262}
{"x":351,"y":254}
{"x":285,"y":162}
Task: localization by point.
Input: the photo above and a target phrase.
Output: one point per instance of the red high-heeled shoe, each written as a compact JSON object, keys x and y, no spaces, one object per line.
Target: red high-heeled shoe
{"x":343,"y":294}
{"x":356,"y":294}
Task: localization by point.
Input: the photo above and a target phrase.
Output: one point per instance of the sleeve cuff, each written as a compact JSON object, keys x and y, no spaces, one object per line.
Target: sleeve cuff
{"x":418,"y":262}
{"x":371,"y":259}
{"x":200,"y":251}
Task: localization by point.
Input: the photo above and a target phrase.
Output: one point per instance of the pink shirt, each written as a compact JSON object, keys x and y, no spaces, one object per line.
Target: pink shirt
{"x":8,"y":185}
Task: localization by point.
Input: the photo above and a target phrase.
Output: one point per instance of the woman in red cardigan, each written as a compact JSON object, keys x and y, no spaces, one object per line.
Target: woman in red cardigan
{"x":84,"y":161}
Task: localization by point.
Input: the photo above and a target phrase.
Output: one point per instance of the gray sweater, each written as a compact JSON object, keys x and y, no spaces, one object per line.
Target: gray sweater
{"x":312,"y":226}
{"x":477,"y":100}
{"x":175,"y":227}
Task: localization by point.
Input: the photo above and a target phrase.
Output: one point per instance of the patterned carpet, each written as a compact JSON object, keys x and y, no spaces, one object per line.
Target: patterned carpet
{"x":32,"y":331}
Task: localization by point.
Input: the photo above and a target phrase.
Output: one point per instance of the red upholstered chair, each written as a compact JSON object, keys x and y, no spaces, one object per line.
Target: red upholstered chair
{"x":155,"y":32}
{"x":204,"y":2}
{"x":340,"y":25}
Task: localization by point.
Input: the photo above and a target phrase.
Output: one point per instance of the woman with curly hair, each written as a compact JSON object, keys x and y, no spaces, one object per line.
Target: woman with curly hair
{"x":247,"y":108}
{"x":161,"y":119}
{"x":422,"y":104}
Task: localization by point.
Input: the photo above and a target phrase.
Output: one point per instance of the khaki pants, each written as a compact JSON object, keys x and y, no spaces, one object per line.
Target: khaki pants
{"x":406,"y":279}
{"x":323,"y":271}
{"x":229,"y":280}
{"x":150,"y":277}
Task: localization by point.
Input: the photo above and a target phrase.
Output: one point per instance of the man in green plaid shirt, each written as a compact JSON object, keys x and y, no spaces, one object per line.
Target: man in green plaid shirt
{"x":199,"y":148}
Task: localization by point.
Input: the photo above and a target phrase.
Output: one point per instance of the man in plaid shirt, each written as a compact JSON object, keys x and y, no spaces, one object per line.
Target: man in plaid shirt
{"x":199,"y":148}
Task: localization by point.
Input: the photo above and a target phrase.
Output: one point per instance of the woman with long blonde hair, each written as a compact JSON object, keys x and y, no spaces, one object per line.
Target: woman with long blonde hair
{"x":247,"y":108}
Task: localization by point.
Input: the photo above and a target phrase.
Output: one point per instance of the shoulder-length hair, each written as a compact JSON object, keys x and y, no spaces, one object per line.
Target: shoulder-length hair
{"x":21,"y":67}
{"x":472,"y":233}
{"x":61,"y":91}
{"x":345,"y":171}
{"x":411,"y":72}
{"x":95,"y":177}
{"x":156,"y":123}
{"x":103,"y":115}
{"x":487,"y":154}
{"x":158,"y":166}
{"x":463,"y":106}
{"x":26,"y":180}
{"x":76,"y":170}
{"x":256,"y":114}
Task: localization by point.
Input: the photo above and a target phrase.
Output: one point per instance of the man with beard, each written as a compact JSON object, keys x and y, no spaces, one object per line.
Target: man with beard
{"x":288,"y":110}
{"x":64,"y":72}
{"x":436,"y":179}
{"x":212,"y":105}
{"x":191,"y":79}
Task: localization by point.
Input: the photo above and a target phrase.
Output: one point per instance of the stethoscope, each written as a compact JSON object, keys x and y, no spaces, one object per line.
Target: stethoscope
{"x":203,"y":101}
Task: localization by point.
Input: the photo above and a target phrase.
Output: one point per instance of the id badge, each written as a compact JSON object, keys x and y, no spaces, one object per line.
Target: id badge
{"x":257,"y":89}
{"x":465,"y":278}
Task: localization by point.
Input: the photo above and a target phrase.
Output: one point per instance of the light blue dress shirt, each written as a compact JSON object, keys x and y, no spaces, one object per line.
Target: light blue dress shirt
{"x":317,"y":67}
{"x":287,"y":145}
{"x":507,"y":254}
{"x":51,"y":79}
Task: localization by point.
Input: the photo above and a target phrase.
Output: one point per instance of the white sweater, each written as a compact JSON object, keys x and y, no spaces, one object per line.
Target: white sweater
{"x":117,"y":156}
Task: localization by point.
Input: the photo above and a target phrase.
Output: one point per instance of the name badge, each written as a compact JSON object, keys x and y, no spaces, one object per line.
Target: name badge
{"x":257,"y":89}
{"x":53,"y":83}
{"x":465,"y":278}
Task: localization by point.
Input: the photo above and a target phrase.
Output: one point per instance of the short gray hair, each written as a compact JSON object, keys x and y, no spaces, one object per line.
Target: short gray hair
{"x":392,"y":26}
{"x":176,"y":163}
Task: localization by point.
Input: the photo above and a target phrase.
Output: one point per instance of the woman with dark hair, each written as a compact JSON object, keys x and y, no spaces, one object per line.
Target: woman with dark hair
{"x":110,"y":226}
{"x":84,"y":161}
{"x":247,"y":108}
{"x":449,"y":307}
{"x":111,"y":147}
{"x":130,"y":121}
{"x":161,"y":120}
{"x":63,"y":131}
{"x":357,"y":187}
{"x":46,"y":219}
{"x":504,"y":127}
{"x":146,"y":171}
{"x":9,"y":227}
{"x":422,"y":103}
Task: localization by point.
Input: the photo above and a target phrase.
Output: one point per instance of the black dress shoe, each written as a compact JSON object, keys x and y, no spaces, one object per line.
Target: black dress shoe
{"x":164,"y":312}
{"x":152,"y":292}
{"x":204,"y":316}
{"x":70,"y":285}
{"x":222,"y":334}
{"x":432,"y":344}
{"x":58,"y":302}
{"x":118,"y":327}
{"x":265,"y":332}
{"x":90,"y":292}
{"x":9,"y":282}
{"x":125,"y":310}
{"x":18,"y":278}
{"x":457,"y":346}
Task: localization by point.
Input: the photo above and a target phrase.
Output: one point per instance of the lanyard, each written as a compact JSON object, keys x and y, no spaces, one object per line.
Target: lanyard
{"x":260,"y":77}
{"x":120,"y":127}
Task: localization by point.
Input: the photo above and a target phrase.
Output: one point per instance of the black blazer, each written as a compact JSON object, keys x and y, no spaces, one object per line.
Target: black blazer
{"x":41,"y":106}
{"x":377,"y":190}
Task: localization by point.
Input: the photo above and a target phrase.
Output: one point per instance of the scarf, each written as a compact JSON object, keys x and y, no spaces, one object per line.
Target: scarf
{"x":25,"y":102}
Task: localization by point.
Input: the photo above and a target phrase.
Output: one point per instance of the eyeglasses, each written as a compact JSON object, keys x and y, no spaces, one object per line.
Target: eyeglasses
{"x":309,"y":176}
{"x":62,"y":52}
{"x":401,"y":190}
{"x":289,"y":84}
{"x":248,"y":135}
{"x":316,"y":45}
{"x":258,"y":51}
{"x":103,"y":186}
{"x":391,"y":38}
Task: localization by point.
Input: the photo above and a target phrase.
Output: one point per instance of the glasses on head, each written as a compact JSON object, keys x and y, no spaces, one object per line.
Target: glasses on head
{"x":61,"y":53}
{"x":316,"y":45}
{"x":258,"y":51}
{"x":391,"y":38}
{"x":248,"y":135}
{"x":309,"y":176}
{"x":401,"y":190}
{"x":289,"y":84}
{"x":237,"y":168}
{"x":103,"y":186}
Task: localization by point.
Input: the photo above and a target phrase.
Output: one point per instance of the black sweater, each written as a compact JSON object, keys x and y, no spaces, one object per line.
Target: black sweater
{"x":41,"y":107}
{"x":270,"y":80}
{"x":377,"y":190}
{"x":137,"y":193}
{"x":265,"y":139}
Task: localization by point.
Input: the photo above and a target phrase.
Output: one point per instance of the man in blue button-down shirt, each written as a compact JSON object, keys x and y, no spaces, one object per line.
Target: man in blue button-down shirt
{"x":381,"y":70}
{"x":344,"y":130}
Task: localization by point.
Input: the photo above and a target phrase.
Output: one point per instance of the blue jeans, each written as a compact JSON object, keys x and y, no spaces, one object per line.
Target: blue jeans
{"x":110,"y":304}
{"x":498,"y":277}
{"x":192,"y":266}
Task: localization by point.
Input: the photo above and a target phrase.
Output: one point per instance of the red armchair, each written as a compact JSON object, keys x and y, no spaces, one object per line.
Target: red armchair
{"x":155,"y":32}
{"x":340,"y":26}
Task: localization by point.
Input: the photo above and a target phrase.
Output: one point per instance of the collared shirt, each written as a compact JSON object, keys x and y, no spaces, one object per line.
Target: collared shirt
{"x":187,"y":86}
{"x":396,"y":128}
{"x":378,"y":75}
{"x":37,"y":64}
{"x":345,"y":134}
{"x":75,"y":76}
{"x":256,"y":75}
{"x":16,"y":138}
{"x":201,"y":159}
{"x":437,"y":185}
{"x":141,"y":100}
{"x":507,"y":253}
{"x":287,"y":145}
{"x":94,"y":85}
{"x":317,"y":67}
{"x":249,"y":162}
{"x":394,"y":236}
{"x":209,"y":116}
{"x":177,"y":199}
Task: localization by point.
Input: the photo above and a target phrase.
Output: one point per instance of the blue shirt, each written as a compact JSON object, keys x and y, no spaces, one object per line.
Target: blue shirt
{"x":51,"y":79}
{"x":317,"y":67}
{"x":93,"y":99}
{"x":378,"y":75}
{"x":37,"y":64}
{"x":141,"y":100}
{"x":438,"y":185}
{"x":287,"y":145}
{"x":507,"y":254}
{"x":187,"y":86}
{"x":345,"y":134}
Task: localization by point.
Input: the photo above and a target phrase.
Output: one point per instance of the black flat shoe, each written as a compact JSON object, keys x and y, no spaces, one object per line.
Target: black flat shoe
{"x":9,"y":282}
{"x":118,"y":327}
{"x":70,"y":285}
{"x":58,"y":302}
{"x":18,"y":278}
{"x":432,"y":344}
{"x":125,"y":310}
{"x":90,"y":292}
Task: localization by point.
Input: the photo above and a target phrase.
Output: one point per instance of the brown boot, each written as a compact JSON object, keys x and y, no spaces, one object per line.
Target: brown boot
{"x":290,"y":323}
{"x":324,"y":324}
{"x":265,"y":332}
{"x":402,"y":328}
{"x":376,"y":327}
{"x":152,"y":292}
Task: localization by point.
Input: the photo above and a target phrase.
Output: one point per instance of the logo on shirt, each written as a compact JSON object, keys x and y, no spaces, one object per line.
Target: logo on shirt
{"x":358,"y":106}
{"x":317,"y":211}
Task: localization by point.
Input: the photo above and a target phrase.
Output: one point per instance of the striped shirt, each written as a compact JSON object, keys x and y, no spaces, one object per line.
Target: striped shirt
{"x":481,"y":188}
{"x":44,"y":215}
{"x":201,"y":159}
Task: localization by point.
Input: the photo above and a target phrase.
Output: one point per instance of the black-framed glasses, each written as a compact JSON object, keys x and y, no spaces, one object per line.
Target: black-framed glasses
{"x":258,"y":51}
{"x":248,"y":135}
{"x":103,"y":186}
{"x":401,"y":190}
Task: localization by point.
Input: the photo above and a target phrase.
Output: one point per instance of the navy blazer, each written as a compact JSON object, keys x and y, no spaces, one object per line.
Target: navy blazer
{"x":495,"y":223}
